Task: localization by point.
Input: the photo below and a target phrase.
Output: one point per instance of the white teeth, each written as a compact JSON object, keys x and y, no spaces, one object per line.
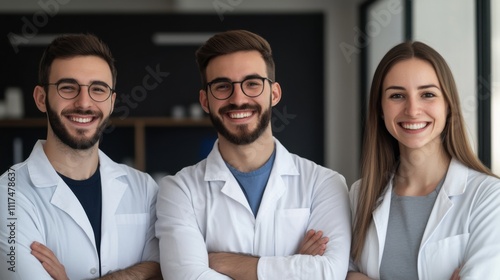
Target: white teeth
{"x":413,"y":125}
{"x":240,"y":115}
{"x":81,"y":120}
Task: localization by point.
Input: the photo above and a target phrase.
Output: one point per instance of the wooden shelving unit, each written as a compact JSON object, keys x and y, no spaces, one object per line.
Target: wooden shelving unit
{"x":138,"y":123}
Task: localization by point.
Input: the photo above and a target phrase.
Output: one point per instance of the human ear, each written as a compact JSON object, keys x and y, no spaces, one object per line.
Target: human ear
{"x":40,"y":97}
{"x":276,"y":93}
{"x":204,"y":100}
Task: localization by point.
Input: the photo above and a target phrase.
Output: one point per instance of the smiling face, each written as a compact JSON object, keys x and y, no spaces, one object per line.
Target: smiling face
{"x":413,"y":105}
{"x":240,"y":119}
{"x":79,"y":122}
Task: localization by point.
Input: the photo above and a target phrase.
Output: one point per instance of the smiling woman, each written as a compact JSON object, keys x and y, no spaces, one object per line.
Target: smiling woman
{"x":424,"y":199}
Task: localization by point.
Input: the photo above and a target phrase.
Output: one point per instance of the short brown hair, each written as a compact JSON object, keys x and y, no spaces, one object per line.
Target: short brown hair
{"x":71,"y":45}
{"x":230,"y":42}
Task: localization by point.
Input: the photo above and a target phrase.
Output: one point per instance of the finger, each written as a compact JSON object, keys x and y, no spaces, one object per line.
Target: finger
{"x":317,"y":247}
{"x":308,"y":236}
{"x":40,"y":252}
{"x":42,"y":249}
{"x":320,"y":246}
{"x":309,"y":241}
{"x":313,"y":239}
{"x":456,"y":274}
{"x":310,"y":233}
{"x":48,"y":260}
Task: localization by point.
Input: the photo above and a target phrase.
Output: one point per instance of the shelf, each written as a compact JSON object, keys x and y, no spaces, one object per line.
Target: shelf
{"x":138,"y":123}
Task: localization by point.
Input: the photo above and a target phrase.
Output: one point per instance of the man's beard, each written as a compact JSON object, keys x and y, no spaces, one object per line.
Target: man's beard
{"x":243,"y":136}
{"x":77,"y":143}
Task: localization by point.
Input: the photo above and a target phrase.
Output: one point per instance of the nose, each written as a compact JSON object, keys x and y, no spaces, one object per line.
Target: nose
{"x":413,"y":107}
{"x":238,"y":97}
{"x":83,"y":99}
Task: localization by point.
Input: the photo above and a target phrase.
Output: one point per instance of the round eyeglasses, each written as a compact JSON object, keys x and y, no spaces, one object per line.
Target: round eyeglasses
{"x":222,"y":89}
{"x":69,"y":89}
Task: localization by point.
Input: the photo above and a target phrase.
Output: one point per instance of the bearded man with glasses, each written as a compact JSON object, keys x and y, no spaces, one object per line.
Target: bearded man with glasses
{"x":79,"y":215}
{"x":251,"y":209}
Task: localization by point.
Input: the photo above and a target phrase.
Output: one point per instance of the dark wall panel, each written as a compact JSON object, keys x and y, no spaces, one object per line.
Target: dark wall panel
{"x":296,"y":39}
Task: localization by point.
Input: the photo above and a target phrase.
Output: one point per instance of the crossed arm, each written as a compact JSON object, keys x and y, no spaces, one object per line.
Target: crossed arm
{"x":244,"y":267}
{"x":143,"y":270}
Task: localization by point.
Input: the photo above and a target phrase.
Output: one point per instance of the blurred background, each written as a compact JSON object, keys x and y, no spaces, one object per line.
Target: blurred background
{"x":325,"y":53}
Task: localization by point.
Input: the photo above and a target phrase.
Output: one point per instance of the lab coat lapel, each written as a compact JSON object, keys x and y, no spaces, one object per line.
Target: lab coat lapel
{"x":276,"y":187}
{"x":454,"y":184}
{"x":66,"y":200}
{"x":232,"y":189}
{"x":112,"y":192}
{"x":218,"y":173}
{"x":381,"y":221}
{"x":44,"y":175}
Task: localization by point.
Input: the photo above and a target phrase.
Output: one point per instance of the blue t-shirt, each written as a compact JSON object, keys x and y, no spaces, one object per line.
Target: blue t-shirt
{"x":254,"y":183}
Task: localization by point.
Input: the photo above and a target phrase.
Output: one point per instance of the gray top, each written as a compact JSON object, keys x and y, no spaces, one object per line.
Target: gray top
{"x":407,"y":220}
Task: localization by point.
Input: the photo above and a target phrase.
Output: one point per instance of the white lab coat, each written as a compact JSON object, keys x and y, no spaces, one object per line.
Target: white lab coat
{"x":47,"y":211}
{"x":463,"y":229}
{"x":203,"y":209}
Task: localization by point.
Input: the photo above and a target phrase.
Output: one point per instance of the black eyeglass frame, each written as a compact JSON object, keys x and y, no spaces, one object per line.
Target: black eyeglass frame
{"x":111,"y":90}
{"x":209,"y":88}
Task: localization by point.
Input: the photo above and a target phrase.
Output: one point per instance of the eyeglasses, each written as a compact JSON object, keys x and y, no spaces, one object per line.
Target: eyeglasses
{"x":69,"y":89}
{"x":222,"y":89}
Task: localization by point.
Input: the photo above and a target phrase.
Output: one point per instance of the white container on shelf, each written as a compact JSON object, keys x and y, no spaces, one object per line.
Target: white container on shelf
{"x":195,"y":111}
{"x":14,"y":102}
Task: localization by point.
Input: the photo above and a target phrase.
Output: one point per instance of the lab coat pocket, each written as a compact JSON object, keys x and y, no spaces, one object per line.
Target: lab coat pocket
{"x":132,"y":230}
{"x":442,"y":257}
{"x":291,"y":225}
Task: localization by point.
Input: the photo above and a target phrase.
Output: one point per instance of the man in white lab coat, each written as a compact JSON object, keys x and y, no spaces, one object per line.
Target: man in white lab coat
{"x":73,"y":212}
{"x":251,"y":209}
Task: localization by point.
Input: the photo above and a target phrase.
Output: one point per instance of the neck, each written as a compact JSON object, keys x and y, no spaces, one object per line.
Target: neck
{"x":249,"y":157}
{"x":74,"y":164}
{"x":420,"y":170}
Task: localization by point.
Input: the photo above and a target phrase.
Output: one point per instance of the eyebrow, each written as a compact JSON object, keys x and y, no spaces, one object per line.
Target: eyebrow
{"x":420,"y":87}
{"x":224,"y":79}
{"x":71,"y":80}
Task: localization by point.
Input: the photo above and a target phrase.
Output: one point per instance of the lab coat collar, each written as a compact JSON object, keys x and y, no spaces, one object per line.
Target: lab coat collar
{"x":454,"y":184}
{"x":43,"y":174}
{"x":215,"y":164}
{"x":381,"y":218}
{"x":217,"y":170}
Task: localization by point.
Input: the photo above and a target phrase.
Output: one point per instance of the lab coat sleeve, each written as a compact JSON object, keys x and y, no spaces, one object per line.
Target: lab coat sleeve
{"x":20,"y":227}
{"x":482,"y":254}
{"x":330,"y":213}
{"x":151,"y":249}
{"x":353,"y":199}
{"x":183,"y":252}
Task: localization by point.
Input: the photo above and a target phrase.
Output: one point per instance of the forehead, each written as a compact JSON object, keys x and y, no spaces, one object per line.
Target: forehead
{"x":236,"y":65}
{"x":412,"y":71}
{"x":81,"y":68}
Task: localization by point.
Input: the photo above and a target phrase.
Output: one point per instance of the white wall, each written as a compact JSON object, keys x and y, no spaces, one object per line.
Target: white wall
{"x":341,"y":75}
{"x":449,"y":27}
{"x":385,"y":27}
